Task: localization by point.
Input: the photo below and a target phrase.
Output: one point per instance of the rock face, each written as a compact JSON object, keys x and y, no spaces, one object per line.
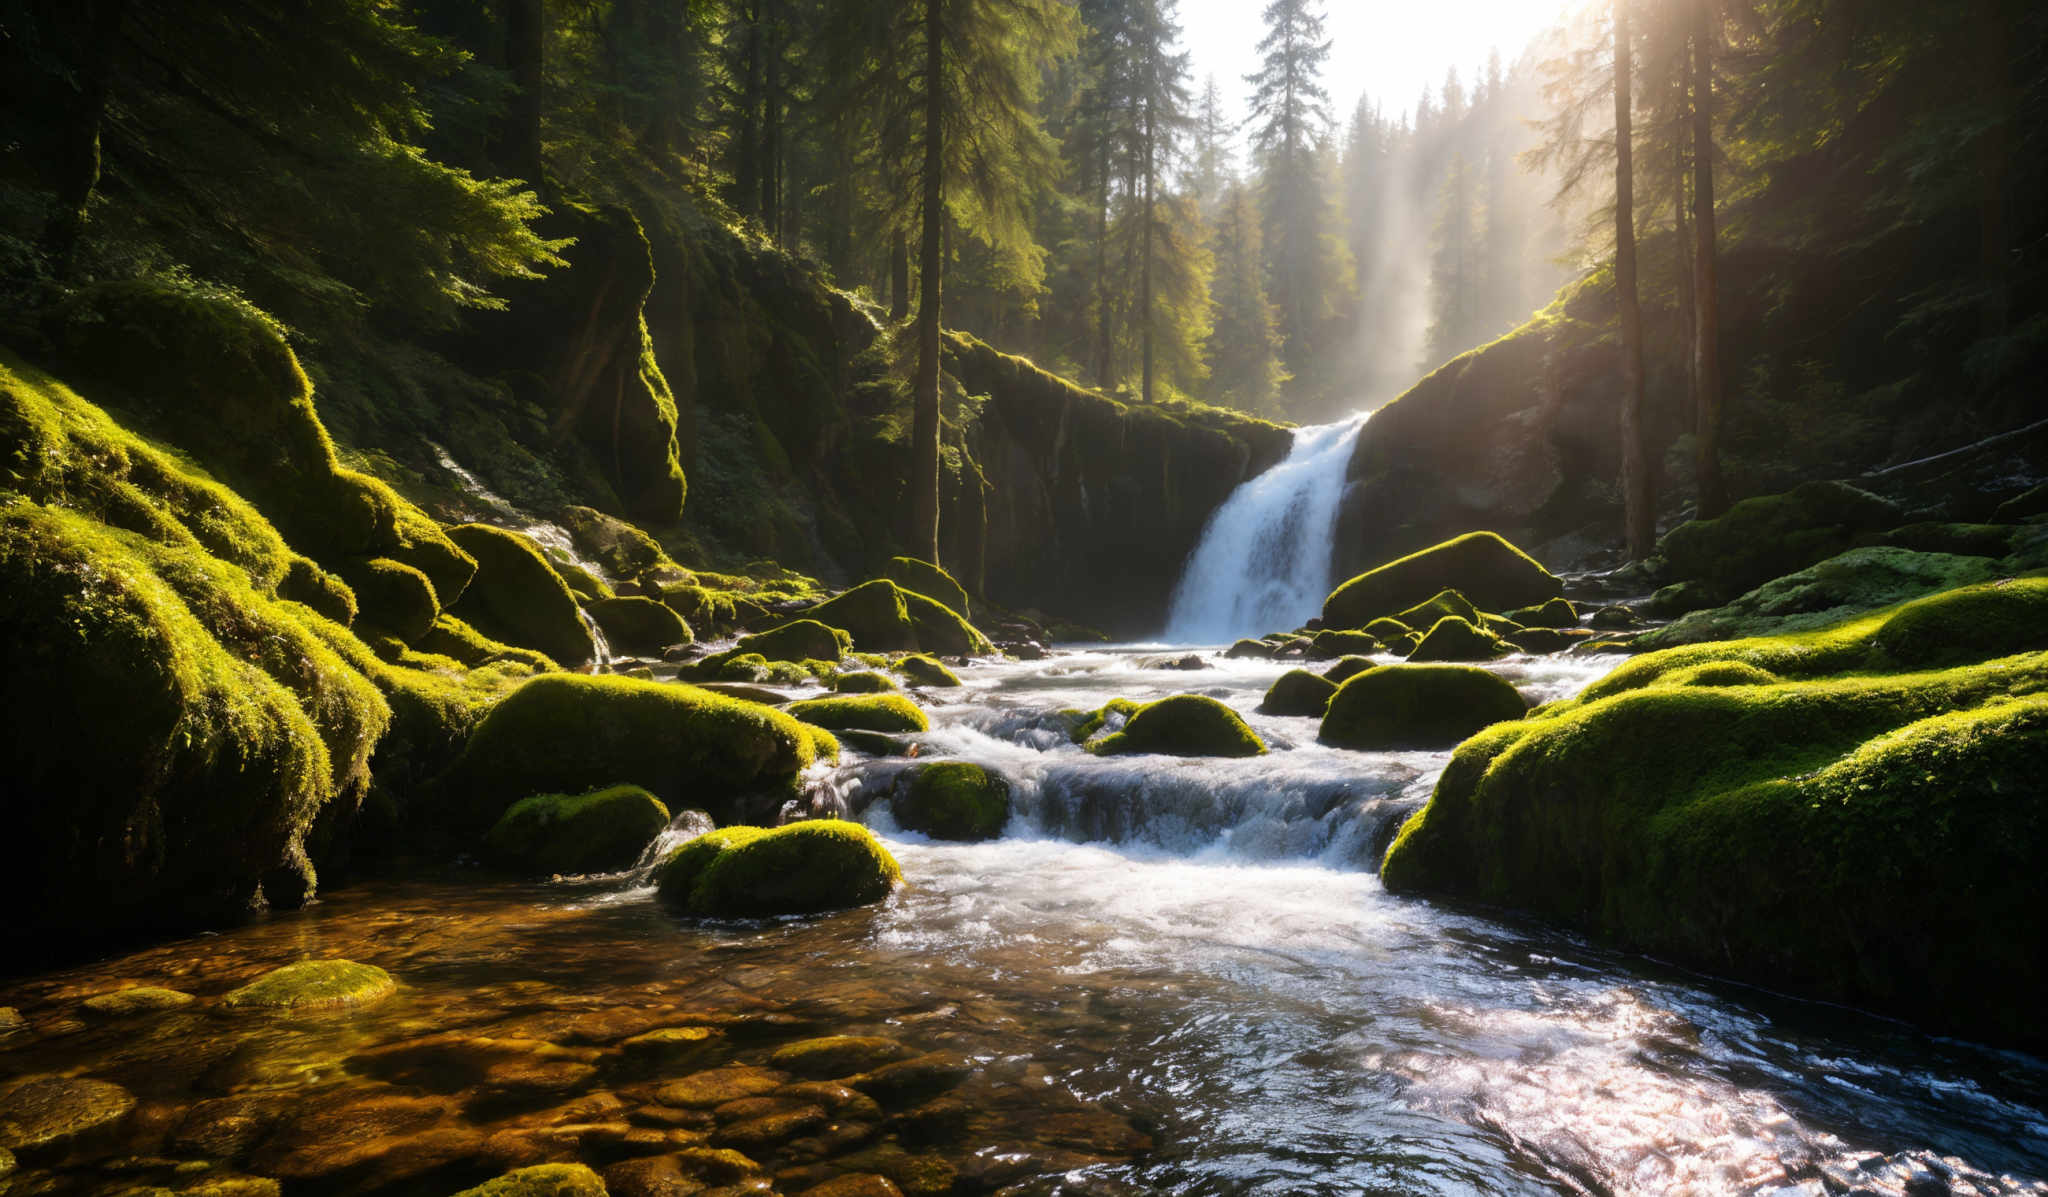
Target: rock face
{"x":1483,"y":568}
{"x":1417,"y":706}
{"x":1183,"y":725}
{"x":1851,"y":812}
{"x":804,"y":868}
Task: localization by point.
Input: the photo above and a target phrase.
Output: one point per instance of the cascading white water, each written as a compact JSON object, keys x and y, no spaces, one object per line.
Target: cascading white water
{"x":1263,"y":563}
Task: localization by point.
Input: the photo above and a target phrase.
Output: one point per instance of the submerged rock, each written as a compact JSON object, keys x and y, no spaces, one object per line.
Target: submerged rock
{"x":638,"y":627}
{"x":888,"y":713}
{"x":838,"y":1055}
{"x":1417,"y":706}
{"x":136,"y":1000}
{"x":804,"y":868}
{"x":1299,"y":692}
{"x":953,"y":800}
{"x":312,"y":986}
{"x":1454,"y":639}
{"x":1480,"y":566}
{"x":47,"y":1111}
{"x":1183,"y":725}
{"x":717,"y":1086}
{"x":542,"y":1180}
{"x":599,"y":832}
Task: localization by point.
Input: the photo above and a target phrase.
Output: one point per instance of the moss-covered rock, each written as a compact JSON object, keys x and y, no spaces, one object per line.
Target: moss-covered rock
{"x":391,"y":597}
{"x":452,"y":638}
{"x":1298,"y":692}
{"x":518,"y":597}
{"x":1445,"y":604}
{"x":932,"y":581}
{"x":330,"y":597}
{"x":929,"y":672}
{"x":1773,"y":535}
{"x":953,"y":800}
{"x":600,"y":832}
{"x":312,"y":986}
{"x":862,"y":712}
{"x":1556,"y":613}
{"x":942,"y":630}
{"x":1481,"y":566}
{"x":1183,"y":725}
{"x":136,"y":1000}
{"x":1959,"y":540}
{"x":1347,"y":668}
{"x":690,"y":748}
{"x":1112,"y":715}
{"x":583,"y":583}
{"x":1329,"y":644}
{"x":1256,"y":650}
{"x":798,"y":640}
{"x":838,"y":1055}
{"x":1453,"y":639}
{"x":1417,"y":706}
{"x":1788,"y":810}
{"x":619,"y":548}
{"x":542,"y":1180}
{"x":1548,"y":640}
{"x":638,"y":627}
{"x":864,"y":681}
{"x":1852,"y":583}
{"x":803,"y":868}
{"x":883,"y":617}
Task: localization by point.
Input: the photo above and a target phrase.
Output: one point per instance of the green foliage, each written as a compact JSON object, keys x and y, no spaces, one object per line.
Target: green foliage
{"x":1183,"y":725}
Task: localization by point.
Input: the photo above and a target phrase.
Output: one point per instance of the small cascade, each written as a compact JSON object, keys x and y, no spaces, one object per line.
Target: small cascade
{"x":685,"y":827}
{"x":1263,"y":563}
{"x":601,"y":648}
{"x":553,"y":539}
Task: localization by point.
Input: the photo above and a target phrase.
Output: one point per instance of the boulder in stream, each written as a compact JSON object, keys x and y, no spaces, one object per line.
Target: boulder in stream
{"x":804,"y":868}
{"x":1299,"y":692}
{"x":518,"y":597}
{"x":798,"y":640}
{"x":926,"y":671}
{"x":890,"y":713}
{"x":638,"y":627}
{"x":1455,"y":639}
{"x":953,"y":800}
{"x":1417,"y":706}
{"x":1183,"y":725}
{"x":600,"y":832}
{"x":312,"y":986}
{"x":1482,"y":567}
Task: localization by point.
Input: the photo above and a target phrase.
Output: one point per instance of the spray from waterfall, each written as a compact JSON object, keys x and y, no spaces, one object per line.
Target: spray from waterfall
{"x":1263,"y":563}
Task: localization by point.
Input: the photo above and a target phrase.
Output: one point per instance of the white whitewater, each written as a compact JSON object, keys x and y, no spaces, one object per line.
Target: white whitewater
{"x":1263,"y":564}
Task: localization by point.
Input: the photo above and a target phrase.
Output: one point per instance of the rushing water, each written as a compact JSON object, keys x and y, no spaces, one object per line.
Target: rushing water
{"x":1168,"y":976}
{"x":1263,"y":562}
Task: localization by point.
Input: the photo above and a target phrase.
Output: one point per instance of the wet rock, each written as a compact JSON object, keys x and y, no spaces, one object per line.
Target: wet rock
{"x":838,"y":1055}
{"x":600,"y":832}
{"x":944,"y":1120}
{"x":1183,"y":725}
{"x":669,"y":1044}
{"x":1347,"y":668}
{"x":11,"y":1022}
{"x":929,"y":672}
{"x":912,"y":1173}
{"x":913,"y":1079}
{"x":137,"y":1000}
{"x":1417,"y":706}
{"x":640,"y":627}
{"x":1617,"y":618}
{"x":6,"y":1166}
{"x":1298,"y":692}
{"x":841,"y":1100}
{"x":855,"y":1184}
{"x":312,"y":986}
{"x":227,"y":1128}
{"x":769,"y":1130}
{"x":48,"y":1111}
{"x":864,"y":681}
{"x":874,"y":743}
{"x":804,"y":868}
{"x":953,"y":800}
{"x":1454,"y":639}
{"x":1189,"y":662}
{"x":453,"y":1062}
{"x":746,"y":693}
{"x":391,"y":1136}
{"x":887,"y":713}
{"x":717,"y":1086}
{"x":1257,"y":650}
{"x":1479,"y":565}
{"x":542,"y":1180}
{"x":1330,"y":644}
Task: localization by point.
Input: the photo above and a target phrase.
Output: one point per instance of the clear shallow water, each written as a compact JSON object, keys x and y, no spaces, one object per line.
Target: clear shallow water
{"x":1176,"y":977}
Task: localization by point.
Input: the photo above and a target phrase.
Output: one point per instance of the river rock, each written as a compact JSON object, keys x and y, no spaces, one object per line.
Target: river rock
{"x":1417,"y":706}
{"x":838,"y":1055}
{"x":46,"y":1111}
{"x":1330,"y":644}
{"x":455,"y":1061}
{"x":600,"y":832}
{"x":953,"y":800}
{"x":1482,"y":567}
{"x":912,"y":1080}
{"x":638,"y":627}
{"x":927,"y":671}
{"x":1298,"y":692}
{"x":518,"y":597}
{"x":1347,"y":668}
{"x":1257,"y":650}
{"x":542,"y":1180}
{"x":1183,"y":725}
{"x":804,"y":868}
{"x":864,"y":681}
{"x":1454,"y":639}
{"x":932,"y":581}
{"x":226,"y":1128}
{"x":797,"y":640}
{"x":11,"y":1022}
{"x":885,"y":713}
{"x":717,"y":1086}
{"x":136,"y":1000}
{"x":312,"y":986}
{"x":855,"y":1184}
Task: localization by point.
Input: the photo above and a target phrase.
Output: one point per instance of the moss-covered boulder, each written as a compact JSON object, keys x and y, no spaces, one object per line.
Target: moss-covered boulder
{"x":1855,"y":582}
{"x":1547,"y":640}
{"x":804,"y":868}
{"x":1347,"y":668}
{"x":392,"y":598}
{"x":1445,"y":604}
{"x":135,"y":1001}
{"x":864,"y":681}
{"x":1556,"y":613}
{"x":619,"y":548}
{"x":953,"y":800}
{"x":862,"y":712}
{"x":1773,"y":535}
{"x":312,"y":986}
{"x":1256,"y":650}
{"x":542,"y":1180}
{"x":600,"y":832}
{"x":1481,"y":566}
{"x":798,"y":640}
{"x":928,"y":672}
{"x":1453,"y":639}
{"x":1417,"y":706}
{"x":1811,"y":811}
{"x":1330,"y":643}
{"x":565,"y":734}
{"x":922,"y":577}
{"x":942,"y":630}
{"x":583,"y":583}
{"x":1298,"y":692}
{"x":452,"y":638}
{"x":1183,"y":725}
{"x":638,"y":627}
{"x":883,"y":617}
{"x":518,"y":597}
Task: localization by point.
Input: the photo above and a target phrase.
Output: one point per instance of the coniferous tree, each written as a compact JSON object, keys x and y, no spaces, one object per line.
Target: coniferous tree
{"x":1290,"y":116}
{"x":1638,"y":500}
{"x":1243,"y":349}
{"x":1713,"y":494}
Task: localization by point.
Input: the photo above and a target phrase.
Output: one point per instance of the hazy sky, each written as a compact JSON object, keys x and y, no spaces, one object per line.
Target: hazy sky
{"x":1390,"y":48}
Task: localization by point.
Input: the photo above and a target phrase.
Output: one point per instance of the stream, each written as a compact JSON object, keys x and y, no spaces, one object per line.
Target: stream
{"x":1168,"y":976}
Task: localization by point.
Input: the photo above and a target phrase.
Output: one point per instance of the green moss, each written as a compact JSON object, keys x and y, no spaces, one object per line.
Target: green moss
{"x":585,"y":585}
{"x":1387,"y":630}
{"x":599,"y":832}
{"x":1453,"y":639}
{"x":1417,"y":706}
{"x":518,"y":597}
{"x":864,"y":682}
{"x":423,"y":545}
{"x":542,"y":1180}
{"x":1447,"y":604}
{"x":711,"y":611}
{"x":1857,"y":581}
{"x":569,"y":733}
{"x":883,"y":617}
{"x":638,"y":627}
{"x":1961,"y":540}
{"x":953,"y":800}
{"x":922,"y":577}
{"x":804,"y":868}
{"x":1347,"y":668}
{"x":942,"y":630}
{"x":1183,"y":725}
{"x":1863,"y":837}
{"x":1556,"y":613}
{"x":798,"y":640}
{"x":1299,"y":692}
{"x":1088,"y":724}
{"x":862,"y":712}
{"x":926,"y":671}
{"x":1773,"y":535}
{"x":305,"y":582}
{"x":619,"y":548}
{"x":136,"y":1000}
{"x":1257,"y":650}
{"x":456,"y":640}
{"x":1481,"y":566}
{"x":391,"y":597}
{"x":1329,"y":644}
{"x":312,"y":985}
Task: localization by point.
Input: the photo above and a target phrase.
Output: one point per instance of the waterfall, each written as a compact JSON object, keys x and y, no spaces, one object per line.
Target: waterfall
{"x":1263,"y":563}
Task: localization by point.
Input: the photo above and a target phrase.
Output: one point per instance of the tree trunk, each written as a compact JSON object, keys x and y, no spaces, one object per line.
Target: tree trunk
{"x":1995,"y":39}
{"x":87,"y":32}
{"x":899,"y":276}
{"x":771,"y":121}
{"x":1145,"y":265}
{"x":1681,"y":241}
{"x":1105,"y":361}
{"x":746,"y":174}
{"x":526,"y":30}
{"x":924,"y":423}
{"x":1713,"y":492}
{"x":1638,"y":498}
